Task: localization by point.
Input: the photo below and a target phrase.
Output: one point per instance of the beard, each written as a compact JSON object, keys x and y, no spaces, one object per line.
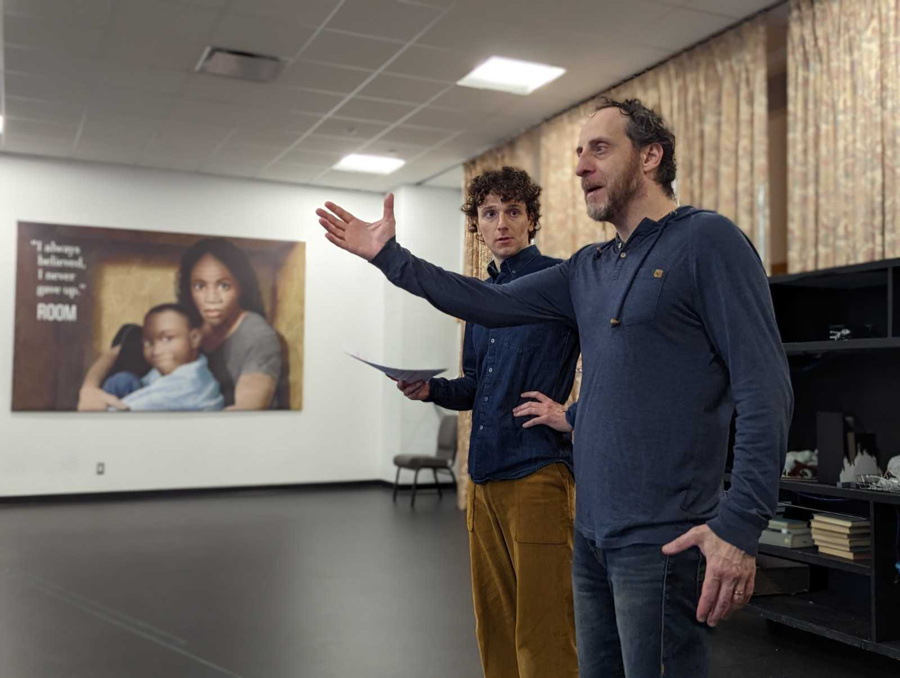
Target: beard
{"x":620,"y":192}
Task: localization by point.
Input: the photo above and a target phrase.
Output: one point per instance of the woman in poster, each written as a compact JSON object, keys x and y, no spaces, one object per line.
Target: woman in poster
{"x":217,"y":281}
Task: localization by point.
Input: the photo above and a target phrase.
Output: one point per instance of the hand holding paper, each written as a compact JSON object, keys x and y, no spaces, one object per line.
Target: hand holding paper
{"x":399,"y":374}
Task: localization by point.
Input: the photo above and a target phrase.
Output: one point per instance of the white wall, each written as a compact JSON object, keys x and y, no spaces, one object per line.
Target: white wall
{"x":339,"y":435}
{"x":430,"y":225}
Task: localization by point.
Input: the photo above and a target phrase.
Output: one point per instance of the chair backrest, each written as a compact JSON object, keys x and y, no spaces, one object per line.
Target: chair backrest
{"x":446,"y":442}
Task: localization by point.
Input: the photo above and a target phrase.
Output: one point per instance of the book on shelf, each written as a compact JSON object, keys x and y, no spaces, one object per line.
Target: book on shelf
{"x":788,"y":541}
{"x":827,"y":538}
{"x":789,"y":525}
{"x":847,"y":555}
{"x":828,"y":521}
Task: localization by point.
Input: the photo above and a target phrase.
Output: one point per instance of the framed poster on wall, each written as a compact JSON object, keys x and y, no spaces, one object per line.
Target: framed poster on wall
{"x":119,"y":320}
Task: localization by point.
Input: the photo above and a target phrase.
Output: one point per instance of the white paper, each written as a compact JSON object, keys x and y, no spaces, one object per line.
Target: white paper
{"x":400,"y":374}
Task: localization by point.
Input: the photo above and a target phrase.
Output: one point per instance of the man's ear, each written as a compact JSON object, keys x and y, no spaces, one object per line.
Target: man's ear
{"x":196,"y":338}
{"x":651,"y":157}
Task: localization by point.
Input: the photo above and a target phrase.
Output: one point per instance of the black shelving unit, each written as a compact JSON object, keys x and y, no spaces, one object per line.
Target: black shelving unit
{"x":855,"y":602}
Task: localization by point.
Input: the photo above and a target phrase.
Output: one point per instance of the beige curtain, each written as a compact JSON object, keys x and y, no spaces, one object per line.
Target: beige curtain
{"x":843,"y":132}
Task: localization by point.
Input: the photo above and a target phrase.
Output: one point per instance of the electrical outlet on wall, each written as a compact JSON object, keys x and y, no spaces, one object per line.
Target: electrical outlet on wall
{"x":101,"y":468}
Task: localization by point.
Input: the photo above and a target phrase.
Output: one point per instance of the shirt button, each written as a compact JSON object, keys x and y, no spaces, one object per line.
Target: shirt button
{"x":490,"y":369}
{"x":514,"y":270}
{"x":485,"y":399}
{"x":492,"y":341}
{"x":480,"y":428}
{"x":623,"y":254}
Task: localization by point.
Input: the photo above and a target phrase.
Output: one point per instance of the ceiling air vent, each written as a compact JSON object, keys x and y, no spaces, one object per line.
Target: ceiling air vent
{"x":233,"y":63}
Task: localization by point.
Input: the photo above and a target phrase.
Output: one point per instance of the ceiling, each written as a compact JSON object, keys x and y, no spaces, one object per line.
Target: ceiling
{"x":114,"y":81}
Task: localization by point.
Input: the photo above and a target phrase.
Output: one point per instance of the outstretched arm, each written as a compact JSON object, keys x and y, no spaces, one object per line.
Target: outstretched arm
{"x":539,"y":297}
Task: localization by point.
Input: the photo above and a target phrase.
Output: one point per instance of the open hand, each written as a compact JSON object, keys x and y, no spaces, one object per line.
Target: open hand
{"x":544,"y":410}
{"x":359,"y":237}
{"x":730,"y":573}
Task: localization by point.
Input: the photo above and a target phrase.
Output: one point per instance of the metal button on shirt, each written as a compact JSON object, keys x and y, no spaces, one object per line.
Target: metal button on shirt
{"x":623,"y":254}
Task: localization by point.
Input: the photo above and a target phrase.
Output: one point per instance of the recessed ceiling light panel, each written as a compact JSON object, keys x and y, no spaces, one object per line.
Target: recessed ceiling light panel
{"x":232,"y":63}
{"x":372,"y":164}
{"x":511,"y":75}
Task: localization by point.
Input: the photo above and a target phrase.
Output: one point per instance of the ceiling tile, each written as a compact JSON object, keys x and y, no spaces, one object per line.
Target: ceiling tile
{"x":431,"y":62}
{"x":47,"y":88}
{"x":108,"y":153}
{"x":442,"y":118}
{"x":45,"y":130}
{"x":208,"y":4}
{"x":32,"y":61}
{"x":393,"y":149}
{"x":232,"y":169}
{"x":101,"y":76}
{"x":266,"y":137}
{"x":301,"y":100}
{"x":451,"y":178}
{"x":130,"y":102}
{"x":44,"y":111}
{"x":263,"y":35}
{"x":420,"y":136}
{"x":189,"y":135}
{"x":383,"y":18}
{"x":54,"y":37}
{"x":682,"y":28}
{"x":290,"y":172}
{"x":338,"y":48}
{"x":85,"y":13}
{"x":372,"y":109}
{"x":314,"y":75}
{"x":117,"y":130}
{"x":323,"y":143}
{"x":213,"y":88}
{"x":164,"y":19}
{"x":280,"y":121}
{"x":36,"y":145}
{"x":350,"y":128}
{"x":476,"y":100}
{"x":310,"y":12}
{"x":154,"y":51}
{"x":238,"y":153}
{"x":312,"y":158}
{"x":399,"y":88}
{"x":737,"y":9}
{"x":169,"y":160}
{"x":213,"y":113}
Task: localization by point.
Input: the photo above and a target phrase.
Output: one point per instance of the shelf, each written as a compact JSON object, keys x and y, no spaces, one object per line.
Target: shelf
{"x":820,"y":612}
{"x":812,"y":487}
{"x":825,"y":615}
{"x":848,"y":346}
{"x":811,"y":556}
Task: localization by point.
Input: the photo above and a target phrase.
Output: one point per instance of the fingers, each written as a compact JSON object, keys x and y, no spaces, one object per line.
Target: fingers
{"x":388,"y":207}
{"x":336,"y":231}
{"x":112,"y":401}
{"x":683,"y":543}
{"x":724,"y":602}
{"x":340,"y":212}
{"x":340,"y":242}
{"x":537,"y":395}
{"x":708,"y":597}
{"x":743,"y":592}
{"x":413,"y":388}
{"x":537,"y":421}
{"x":526,"y":409}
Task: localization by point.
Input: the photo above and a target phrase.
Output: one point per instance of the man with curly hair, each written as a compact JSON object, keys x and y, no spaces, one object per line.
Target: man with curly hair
{"x":521,"y":500}
{"x":679,"y":339}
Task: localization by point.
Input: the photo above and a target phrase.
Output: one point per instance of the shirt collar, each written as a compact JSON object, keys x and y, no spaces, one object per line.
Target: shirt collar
{"x":647,"y":226}
{"x":515,"y":263}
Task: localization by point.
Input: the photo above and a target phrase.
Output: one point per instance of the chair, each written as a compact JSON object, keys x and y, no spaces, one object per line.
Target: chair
{"x":442,"y":461}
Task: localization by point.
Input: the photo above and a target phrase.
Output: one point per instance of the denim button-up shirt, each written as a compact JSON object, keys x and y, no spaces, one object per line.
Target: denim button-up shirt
{"x":498,"y":366}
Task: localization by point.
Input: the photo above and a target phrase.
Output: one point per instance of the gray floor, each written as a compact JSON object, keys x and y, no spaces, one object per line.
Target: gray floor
{"x":315,"y":583}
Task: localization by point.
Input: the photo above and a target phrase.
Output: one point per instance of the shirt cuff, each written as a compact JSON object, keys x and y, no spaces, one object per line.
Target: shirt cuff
{"x":736,"y":531}
{"x":387,"y":260}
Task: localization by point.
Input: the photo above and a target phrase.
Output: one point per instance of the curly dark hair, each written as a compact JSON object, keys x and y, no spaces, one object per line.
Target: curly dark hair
{"x":510,"y":184}
{"x":234,"y":259}
{"x":645,"y":127}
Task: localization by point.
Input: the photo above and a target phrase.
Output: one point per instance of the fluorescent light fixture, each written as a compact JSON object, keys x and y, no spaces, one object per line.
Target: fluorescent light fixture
{"x":511,"y":75}
{"x":1,"y":124}
{"x":374,"y":164}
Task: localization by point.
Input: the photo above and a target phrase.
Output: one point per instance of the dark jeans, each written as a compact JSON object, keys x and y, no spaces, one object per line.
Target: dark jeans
{"x":121,"y":384}
{"x":635,"y":612}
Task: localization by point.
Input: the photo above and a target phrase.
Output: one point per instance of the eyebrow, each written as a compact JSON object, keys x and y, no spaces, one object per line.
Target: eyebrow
{"x":593,"y":142}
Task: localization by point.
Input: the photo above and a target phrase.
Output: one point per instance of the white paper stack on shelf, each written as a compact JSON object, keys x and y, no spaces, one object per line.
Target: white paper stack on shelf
{"x":788,"y":533}
{"x":845,"y":537}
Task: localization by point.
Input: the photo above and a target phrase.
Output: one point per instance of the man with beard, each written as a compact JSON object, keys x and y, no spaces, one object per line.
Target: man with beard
{"x":678,"y":335}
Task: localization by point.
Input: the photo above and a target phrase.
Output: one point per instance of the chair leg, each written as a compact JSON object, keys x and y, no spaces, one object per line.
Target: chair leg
{"x":412,"y":501}
{"x":437,"y":483}
{"x":452,"y":475}
{"x":396,"y":484}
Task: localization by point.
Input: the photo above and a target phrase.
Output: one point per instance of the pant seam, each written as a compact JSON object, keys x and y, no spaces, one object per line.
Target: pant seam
{"x":662,"y":625}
